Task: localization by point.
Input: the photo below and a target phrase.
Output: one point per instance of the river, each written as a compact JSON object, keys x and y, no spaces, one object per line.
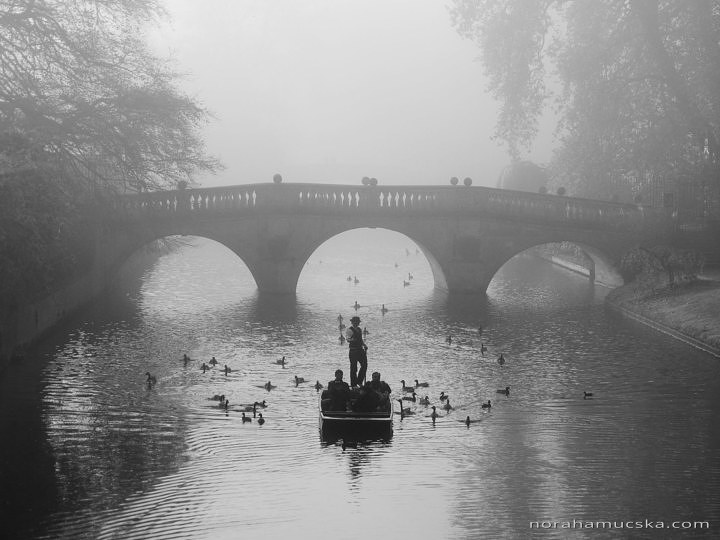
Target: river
{"x":90,"y":451}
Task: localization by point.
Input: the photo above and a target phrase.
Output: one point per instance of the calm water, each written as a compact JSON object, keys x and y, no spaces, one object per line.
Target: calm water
{"x":90,"y":452}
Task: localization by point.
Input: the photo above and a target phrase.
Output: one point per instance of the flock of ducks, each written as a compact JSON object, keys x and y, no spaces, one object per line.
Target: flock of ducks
{"x":410,"y":391}
{"x":444,"y":398}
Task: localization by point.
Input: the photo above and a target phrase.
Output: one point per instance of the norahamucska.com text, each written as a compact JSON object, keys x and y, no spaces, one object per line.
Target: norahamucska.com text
{"x":646,"y":524}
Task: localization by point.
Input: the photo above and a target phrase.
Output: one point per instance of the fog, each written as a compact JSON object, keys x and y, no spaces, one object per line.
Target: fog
{"x":330,"y":91}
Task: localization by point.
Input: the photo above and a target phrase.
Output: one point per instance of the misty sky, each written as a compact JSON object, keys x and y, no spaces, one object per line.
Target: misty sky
{"x":333,"y":90}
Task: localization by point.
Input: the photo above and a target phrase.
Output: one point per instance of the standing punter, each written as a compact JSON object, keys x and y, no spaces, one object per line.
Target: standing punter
{"x":357,"y":353}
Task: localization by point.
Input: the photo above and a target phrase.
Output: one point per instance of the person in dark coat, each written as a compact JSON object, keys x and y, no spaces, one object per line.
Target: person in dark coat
{"x":357,"y":352}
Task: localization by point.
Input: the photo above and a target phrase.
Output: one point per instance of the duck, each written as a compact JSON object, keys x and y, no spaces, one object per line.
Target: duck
{"x":409,"y":398}
{"x":404,"y":411}
{"x":483,"y":349}
{"x":262,"y":404}
{"x":406,"y":283}
{"x":280,"y":362}
{"x":151,"y":380}
{"x":249,"y":408}
{"x":318,"y":385}
{"x":421,"y":384}
{"x":587,"y":395}
{"x":225,"y":405}
{"x":227,"y":370}
{"x":245,"y":418}
{"x":506,"y":391}
{"x":383,"y":309}
{"x":365,"y":331}
{"x":424,"y":400}
{"x":356,"y":305}
{"x":501,"y":359}
{"x":434,"y":414}
{"x":469,"y":421}
{"x":341,"y":339}
{"x":443,"y":396}
{"x":448,"y":339}
{"x":269,"y":386}
{"x":204,"y":367}
{"x":218,"y":397}
{"x":261,"y":420}
{"x":447,"y":406}
{"x":407,"y":388}
{"x":486,"y":405}
{"x":213,"y":361}
{"x":356,"y":280}
{"x":299,"y":380}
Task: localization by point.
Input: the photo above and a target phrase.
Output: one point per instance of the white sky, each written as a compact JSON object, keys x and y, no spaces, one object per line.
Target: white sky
{"x":330,"y":91}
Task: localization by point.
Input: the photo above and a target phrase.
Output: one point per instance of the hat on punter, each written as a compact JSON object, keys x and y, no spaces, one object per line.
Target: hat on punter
{"x":355,"y":319}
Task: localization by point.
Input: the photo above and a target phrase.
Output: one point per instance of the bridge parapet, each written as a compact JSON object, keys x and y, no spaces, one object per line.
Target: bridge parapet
{"x":387,"y":200}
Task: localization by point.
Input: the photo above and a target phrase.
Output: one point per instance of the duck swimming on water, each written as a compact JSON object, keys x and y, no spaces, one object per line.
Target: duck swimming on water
{"x":421,"y":384}
{"x":486,"y":405}
{"x":434,"y":414}
{"x":261,"y":420}
{"x":506,"y":391}
{"x":318,"y":385}
{"x":151,"y":380}
{"x":245,"y":418}
{"x":404,"y":411}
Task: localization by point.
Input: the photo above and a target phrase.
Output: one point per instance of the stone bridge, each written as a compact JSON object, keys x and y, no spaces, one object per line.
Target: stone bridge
{"x":466,"y":233}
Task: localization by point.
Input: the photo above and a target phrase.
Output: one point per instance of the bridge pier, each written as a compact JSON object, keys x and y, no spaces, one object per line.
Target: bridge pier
{"x":465,"y":278}
{"x":275,"y":276}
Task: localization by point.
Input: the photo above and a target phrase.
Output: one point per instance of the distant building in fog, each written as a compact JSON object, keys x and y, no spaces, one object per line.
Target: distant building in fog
{"x":523,"y":176}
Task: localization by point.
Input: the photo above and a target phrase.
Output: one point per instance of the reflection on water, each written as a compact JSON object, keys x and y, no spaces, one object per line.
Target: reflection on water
{"x":100,"y":454}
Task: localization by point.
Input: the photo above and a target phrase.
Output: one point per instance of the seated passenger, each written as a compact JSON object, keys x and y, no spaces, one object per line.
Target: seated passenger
{"x":380,"y":391}
{"x":338,"y":393}
{"x":381,"y":387}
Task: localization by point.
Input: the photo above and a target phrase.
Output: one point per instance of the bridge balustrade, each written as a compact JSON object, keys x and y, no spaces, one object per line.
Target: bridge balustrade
{"x":399,"y":200}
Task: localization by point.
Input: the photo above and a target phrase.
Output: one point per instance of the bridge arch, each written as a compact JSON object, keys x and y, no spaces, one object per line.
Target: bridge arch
{"x":465,"y":233}
{"x":599,"y":265}
{"x":434,"y":265}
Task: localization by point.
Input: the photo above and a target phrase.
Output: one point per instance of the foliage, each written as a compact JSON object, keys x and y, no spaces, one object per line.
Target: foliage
{"x":43,"y":238}
{"x":86,"y":110}
{"x":83,"y":98}
{"x":635,"y":85}
{"x":648,"y":265}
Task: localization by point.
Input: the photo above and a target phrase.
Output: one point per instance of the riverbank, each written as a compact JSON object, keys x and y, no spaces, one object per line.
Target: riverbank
{"x":690,"y":312}
{"x":23,"y":325}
